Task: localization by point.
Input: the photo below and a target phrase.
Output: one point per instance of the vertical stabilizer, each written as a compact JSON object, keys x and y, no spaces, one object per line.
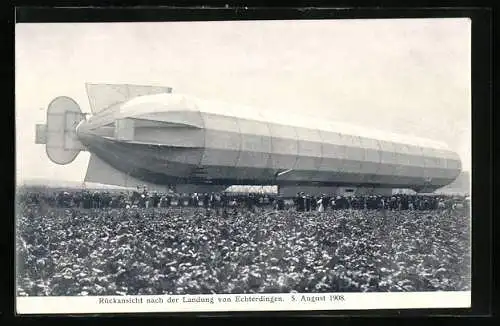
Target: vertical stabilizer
{"x":99,"y":171}
{"x":102,"y":96}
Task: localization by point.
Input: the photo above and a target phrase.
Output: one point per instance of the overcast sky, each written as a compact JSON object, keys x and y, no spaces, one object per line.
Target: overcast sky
{"x":409,"y":76}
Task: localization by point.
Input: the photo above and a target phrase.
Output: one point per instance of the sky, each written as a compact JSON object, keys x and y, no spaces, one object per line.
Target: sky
{"x":408,"y":76}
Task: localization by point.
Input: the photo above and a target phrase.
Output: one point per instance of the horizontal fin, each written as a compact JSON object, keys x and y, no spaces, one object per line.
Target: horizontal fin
{"x":103,"y":96}
{"x":41,"y":134}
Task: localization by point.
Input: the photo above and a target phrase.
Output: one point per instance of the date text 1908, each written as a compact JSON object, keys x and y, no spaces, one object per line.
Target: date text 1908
{"x":318,"y":298}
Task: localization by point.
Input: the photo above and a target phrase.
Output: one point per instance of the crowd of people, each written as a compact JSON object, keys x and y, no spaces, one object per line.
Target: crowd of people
{"x":302,"y":202}
{"x":70,"y":244}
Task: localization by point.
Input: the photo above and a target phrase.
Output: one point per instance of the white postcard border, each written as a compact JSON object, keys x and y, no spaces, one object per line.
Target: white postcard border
{"x":235,"y":302}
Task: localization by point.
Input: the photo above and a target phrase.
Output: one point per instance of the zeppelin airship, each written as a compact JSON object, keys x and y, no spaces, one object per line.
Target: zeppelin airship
{"x":148,"y":135}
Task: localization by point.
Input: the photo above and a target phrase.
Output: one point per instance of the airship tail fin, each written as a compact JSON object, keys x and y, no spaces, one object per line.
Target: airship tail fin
{"x":102,"y":96}
{"x":59,"y":133}
{"x":99,"y":171}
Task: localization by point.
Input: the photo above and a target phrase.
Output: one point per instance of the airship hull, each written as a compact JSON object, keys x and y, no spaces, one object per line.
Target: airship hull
{"x":169,"y":139}
{"x":158,"y":165}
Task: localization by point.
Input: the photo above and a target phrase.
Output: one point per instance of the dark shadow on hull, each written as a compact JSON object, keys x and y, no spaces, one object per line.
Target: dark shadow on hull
{"x":144,"y":163}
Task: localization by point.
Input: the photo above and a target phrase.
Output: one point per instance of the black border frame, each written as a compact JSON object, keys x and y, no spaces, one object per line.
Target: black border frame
{"x":482,"y":149}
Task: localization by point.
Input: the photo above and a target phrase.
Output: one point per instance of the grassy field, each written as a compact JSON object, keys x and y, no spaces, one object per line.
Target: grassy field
{"x":186,"y":251}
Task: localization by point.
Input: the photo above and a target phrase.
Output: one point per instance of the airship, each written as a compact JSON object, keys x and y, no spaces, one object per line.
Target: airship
{"x":149,"y":135}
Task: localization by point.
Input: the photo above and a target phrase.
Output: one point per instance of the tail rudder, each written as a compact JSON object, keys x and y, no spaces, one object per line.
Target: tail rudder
{"x":59,"y":132}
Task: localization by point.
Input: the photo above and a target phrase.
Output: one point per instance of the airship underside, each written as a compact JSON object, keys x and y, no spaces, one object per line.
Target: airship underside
{"x":162,"y":138}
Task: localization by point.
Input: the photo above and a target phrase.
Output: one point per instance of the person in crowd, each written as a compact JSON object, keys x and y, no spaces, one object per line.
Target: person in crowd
{"x":349,"y":202}
{"x":333,"y":203}
{"x":280,"y":203}
{"x":250,"y":202}
{"x":308,"y":203}
{"x":206,"y":201}
{"x":212,"y":200}
{"x":314,"y":203}
{"x":302,"y":202}
{"x":321,"y":207}
{"x":142,"y":201}
{"x":296,"y":202}
{"x":217,"y":203}
{"x":156,"y":200}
